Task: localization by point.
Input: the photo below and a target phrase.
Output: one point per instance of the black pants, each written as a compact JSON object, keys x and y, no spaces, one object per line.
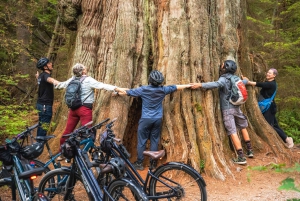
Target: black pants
{"x":271,"y":119}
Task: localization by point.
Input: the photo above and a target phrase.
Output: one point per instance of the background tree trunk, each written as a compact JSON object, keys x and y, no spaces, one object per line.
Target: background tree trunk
{"x":121,"y":41}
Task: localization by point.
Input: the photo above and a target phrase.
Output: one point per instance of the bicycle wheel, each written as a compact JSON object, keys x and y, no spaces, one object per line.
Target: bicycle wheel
{"x":53,"y":185}
{"x":124,"y":189}
{"x":185,"y":183}
{"x":39,"y":178}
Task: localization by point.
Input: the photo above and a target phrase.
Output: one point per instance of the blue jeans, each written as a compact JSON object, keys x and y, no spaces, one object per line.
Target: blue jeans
{"x":148,"y":129}
{"x":45,"y":115}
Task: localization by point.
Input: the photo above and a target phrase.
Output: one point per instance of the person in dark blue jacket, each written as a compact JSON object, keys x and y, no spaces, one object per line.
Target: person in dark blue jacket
{"x":152,"y":96}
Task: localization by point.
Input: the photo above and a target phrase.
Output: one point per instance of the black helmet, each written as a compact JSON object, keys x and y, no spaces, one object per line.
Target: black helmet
{"x":118,"y":167}
{"x":156,"y":78}
{"x":68,"y":150}
{"x":42,"y":62}
{"x":6,"y":158}
{"x":32,"y":151}
{"x":105,"y":144}
{"x":230,"y":66}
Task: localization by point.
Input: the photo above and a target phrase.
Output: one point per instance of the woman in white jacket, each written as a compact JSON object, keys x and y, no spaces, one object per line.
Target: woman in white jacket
{"x":84,"y":112}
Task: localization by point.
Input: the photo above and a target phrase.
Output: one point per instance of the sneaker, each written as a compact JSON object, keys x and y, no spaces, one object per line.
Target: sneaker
{"x":289,"y":142}
{"x":250,"y":154}
{"x":239,"y":160}
{"x":138,"y":165}
{"x":60,"y":158}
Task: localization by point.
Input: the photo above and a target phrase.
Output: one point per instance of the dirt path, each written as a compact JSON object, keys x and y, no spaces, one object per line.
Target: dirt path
{"x":250,"y":184}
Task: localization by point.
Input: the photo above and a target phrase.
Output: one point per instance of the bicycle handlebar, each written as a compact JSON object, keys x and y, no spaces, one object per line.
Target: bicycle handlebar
{"x":110,"y":124}
{"x":28,"y":129}
{"x":19,"y":136}
{"x":98,"y":126}
{"x":78,"y":130}
{"x":85,"y":129}
{"x":111,"y":136}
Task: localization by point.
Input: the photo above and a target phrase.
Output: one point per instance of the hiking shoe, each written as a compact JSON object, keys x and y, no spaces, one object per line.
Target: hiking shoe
{"x":60,"y":158}
{"x":138,"y":165}
{"x":250,"y":154}
{"x":289,"y":142}
{"x":240,"y":160}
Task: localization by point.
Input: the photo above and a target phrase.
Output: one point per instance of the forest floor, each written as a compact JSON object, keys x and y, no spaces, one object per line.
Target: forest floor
{"x":258,"y":180}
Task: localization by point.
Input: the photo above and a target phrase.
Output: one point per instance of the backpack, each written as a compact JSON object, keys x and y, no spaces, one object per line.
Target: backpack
{"x":265,"y":104}
{"x":238,"y":93}
{"x":73,"y":93}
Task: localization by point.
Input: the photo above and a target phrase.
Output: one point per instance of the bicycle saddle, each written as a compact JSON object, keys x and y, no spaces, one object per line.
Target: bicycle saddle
{"x":44,"y":138}
{"x":155,"y":154}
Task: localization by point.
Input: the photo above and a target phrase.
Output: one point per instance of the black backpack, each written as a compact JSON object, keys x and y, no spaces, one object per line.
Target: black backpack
{"x":73,"y":93}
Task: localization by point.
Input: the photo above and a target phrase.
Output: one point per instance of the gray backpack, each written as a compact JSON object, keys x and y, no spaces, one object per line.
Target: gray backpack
{"x":73,"y":93}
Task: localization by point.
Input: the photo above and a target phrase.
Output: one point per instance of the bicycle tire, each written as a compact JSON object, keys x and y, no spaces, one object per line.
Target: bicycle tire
{"x":53,"y":186}
{"x":39,"y":178}
{"x":125,"y":189}
{"x":189,"y":185}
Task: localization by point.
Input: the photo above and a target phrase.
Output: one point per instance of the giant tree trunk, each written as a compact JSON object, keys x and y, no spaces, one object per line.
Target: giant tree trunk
{"x":121,"y":41}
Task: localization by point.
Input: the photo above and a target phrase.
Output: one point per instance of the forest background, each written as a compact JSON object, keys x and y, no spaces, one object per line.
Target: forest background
{"x":33,"y":29}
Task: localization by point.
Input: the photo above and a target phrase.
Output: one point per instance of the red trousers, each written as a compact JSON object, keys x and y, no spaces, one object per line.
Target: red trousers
{"x":82,"y":114}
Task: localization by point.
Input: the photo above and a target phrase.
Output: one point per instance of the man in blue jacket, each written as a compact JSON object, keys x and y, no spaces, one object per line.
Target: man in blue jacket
{"x":150,"y":123}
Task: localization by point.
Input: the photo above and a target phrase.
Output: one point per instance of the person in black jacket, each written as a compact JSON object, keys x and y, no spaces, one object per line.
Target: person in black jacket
{"x":45,"y":95}
{"x":268,"y":88}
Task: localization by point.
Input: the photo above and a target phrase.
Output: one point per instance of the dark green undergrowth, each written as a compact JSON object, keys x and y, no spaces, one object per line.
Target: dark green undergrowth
{"x":15,"y":113}
{"x":289,"y":121}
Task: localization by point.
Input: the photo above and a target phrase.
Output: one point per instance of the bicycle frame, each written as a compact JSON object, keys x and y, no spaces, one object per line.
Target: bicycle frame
{"x":132,"y":173}
{"x":82,"y":166}
{"x":87,"y":176}
{"x":19,"y":180}
{"x":82,"y":158}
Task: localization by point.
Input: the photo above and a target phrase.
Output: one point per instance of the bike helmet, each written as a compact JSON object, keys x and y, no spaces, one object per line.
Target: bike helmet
{"x":68,"y":150}
{"x":230,"y":66}
{"x":6,"y":158}
{"x":42,"y":62}
{"x":156,"y":78}
{"x":118,"y":167}
{"x":104,"y":143}
{"x":32,"y":151}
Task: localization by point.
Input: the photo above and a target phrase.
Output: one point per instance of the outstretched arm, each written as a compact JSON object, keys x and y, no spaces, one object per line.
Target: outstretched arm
{"x":53,"y":81}
{"x":121,"y":91}
{"x":49,"y":79}
{"x":183,"y":86}
{"x":249,"y":82}
{"x":196,"y":85}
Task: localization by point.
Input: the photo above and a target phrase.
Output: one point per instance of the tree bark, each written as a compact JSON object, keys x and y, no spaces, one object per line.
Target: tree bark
{"x":121,"y":41}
